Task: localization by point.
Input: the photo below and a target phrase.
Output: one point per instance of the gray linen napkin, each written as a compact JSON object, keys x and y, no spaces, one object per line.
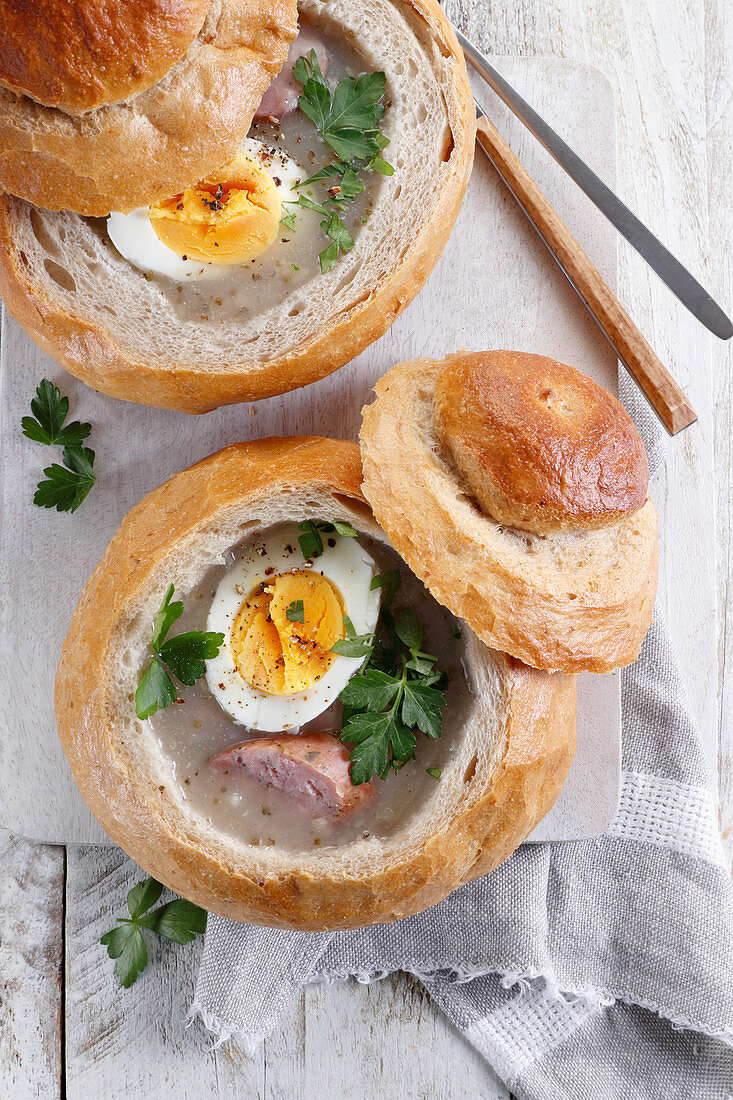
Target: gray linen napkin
{"x":598,"y":969}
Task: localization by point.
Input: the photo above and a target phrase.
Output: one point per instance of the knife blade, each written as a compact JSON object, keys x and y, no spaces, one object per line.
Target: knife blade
{"x":669,"y":269}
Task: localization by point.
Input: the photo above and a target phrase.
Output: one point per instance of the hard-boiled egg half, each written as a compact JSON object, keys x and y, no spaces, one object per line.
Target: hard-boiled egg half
{"x":280,"y":614}
{"x":230,"y":218}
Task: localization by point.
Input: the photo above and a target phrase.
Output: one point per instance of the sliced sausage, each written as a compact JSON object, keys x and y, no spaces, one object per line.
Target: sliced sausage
{"x":281,"y":98}
{"x":313,"y":769}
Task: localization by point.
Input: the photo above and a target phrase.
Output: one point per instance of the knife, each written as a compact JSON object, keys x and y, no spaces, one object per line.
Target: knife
{"x":660,"y":259}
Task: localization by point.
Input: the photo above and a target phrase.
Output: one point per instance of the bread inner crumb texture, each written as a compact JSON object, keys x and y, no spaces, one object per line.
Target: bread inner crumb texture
{"x":187,"y":734}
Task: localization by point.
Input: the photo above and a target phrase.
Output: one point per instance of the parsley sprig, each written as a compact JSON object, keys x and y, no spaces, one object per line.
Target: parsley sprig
{"x":180,"y":921}
{"x":183,"y":655}
{"x":66,"y":486}
{"x":398,"y":691}
{"x":349,"y":122}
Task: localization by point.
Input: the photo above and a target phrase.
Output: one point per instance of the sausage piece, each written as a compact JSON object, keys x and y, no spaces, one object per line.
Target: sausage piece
{"x":313,"y":769}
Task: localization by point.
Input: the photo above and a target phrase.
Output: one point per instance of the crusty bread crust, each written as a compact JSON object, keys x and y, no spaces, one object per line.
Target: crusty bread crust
{"x":77,"y":57}
{"x":509,"y":764}
{"x":541,"y":445}
{"x":359,"y":299}
{"x":161,"y":140}
{"x":571,"y":599}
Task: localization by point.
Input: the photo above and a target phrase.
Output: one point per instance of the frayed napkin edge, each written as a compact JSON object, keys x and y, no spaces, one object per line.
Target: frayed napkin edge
{"x":222,"y":1033}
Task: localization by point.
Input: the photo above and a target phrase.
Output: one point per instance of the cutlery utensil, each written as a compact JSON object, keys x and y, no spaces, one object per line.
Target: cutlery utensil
{"x":660,"y":389}
{"x":660,"y":259}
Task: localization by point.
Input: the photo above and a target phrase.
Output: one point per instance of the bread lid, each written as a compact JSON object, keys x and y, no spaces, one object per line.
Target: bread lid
{"x":81,"y":57}
{"x":505,"y":770}
{"x":129,"y":103}
{"x":516,"y":488}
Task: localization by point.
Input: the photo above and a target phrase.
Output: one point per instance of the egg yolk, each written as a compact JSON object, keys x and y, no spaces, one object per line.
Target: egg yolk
{"x":228,"y":218}
{"x":273,"y":650}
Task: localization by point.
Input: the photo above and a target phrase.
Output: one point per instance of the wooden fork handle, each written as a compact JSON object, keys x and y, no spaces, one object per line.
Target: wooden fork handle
{"x":661,"y":390}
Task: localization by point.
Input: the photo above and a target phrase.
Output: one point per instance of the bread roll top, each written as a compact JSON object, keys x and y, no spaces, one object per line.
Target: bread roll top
{"x":539,"y":444}
{"x":82,"y":55}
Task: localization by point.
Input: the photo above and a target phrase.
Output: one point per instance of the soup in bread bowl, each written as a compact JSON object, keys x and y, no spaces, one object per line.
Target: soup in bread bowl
{"x":287,"y":258}
{"x":273,"y":716}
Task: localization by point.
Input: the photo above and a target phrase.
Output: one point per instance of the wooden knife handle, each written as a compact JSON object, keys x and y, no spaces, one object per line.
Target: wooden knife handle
{"x":663,"y":393}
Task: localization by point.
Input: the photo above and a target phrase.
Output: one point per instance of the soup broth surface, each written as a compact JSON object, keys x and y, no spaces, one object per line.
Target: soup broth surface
{"x":195,"y":728}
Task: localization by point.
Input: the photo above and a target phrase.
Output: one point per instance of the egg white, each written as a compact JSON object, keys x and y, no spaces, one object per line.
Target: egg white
{"x":134,"y":237}
{"x":349,"y":568}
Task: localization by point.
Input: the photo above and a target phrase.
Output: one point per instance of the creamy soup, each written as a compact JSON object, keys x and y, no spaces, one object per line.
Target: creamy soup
{"x":291,"y":150}
{"x":196,"y":728}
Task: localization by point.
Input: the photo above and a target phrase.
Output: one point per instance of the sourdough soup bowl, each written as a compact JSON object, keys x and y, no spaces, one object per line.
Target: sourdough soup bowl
{"x":265,"y":789}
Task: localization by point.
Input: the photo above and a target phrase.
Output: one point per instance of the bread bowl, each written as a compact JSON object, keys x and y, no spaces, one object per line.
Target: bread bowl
{"x":108,"y":106}
{"x":208,"y":334}
{"x":516,"y":488}
{"x":501,"y":765}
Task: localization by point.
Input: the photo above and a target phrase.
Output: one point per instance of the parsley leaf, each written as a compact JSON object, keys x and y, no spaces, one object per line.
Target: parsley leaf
{"x":143,"y":896}
{"x":294,"y":612}
{"x":184,"y":655}
{"x":345,"y":529}
{"x":334,"y":228}
{"x":421,"y":708}
{"x":180,"y":921}
{"x":155,"y":691}
{"x":348,"y":121}
{"x":310,"y":542}
{"x":389,"y":580}
{"x":46,"y":425}
{"x":397,"y":693}
{"x":409,"y":629}
{"x":353,"y":645}
{"x":370,"y":690}
{"x":168,"y":613}
{"x":67,"y":486}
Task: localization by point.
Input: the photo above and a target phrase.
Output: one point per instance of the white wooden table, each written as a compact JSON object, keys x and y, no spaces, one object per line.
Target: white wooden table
{"x":66,"y":1028}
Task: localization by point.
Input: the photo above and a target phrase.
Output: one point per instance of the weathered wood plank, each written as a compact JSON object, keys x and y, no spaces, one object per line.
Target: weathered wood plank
{"x":385,"y":1039}
{"x":31,"y":968}
{"x":719,"y":93}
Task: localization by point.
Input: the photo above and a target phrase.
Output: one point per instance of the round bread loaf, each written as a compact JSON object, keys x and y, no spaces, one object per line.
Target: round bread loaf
{"x":99,"y":317}
{"x":516,"y":489}
{"x":120,"y":105}
{"x":510,"y":759}
{"x":83,"y":55}
{"x":541,"y":446}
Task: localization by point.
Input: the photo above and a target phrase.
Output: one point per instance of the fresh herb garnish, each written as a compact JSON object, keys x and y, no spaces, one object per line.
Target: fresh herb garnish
{"x":398,"y":691}
{"x":310,"y":541}
{"x":46,"y":425}
{"x":435,"y":772}
{"x":294,"y":612}
{"x":349,"y":120}
{"x":349,"y":123}
{"x":353,"y":644}
{"x":66,"y":486}
{"x":184,"y":655}
{"x":180,"y":921}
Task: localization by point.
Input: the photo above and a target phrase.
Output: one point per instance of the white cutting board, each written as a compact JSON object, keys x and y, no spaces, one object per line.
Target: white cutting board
{"x":494,"y":287}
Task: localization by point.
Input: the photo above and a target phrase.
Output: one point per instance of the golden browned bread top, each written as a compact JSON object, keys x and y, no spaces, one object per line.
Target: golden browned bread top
{"x":82,"y":54}
{"x":540,"y":445}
